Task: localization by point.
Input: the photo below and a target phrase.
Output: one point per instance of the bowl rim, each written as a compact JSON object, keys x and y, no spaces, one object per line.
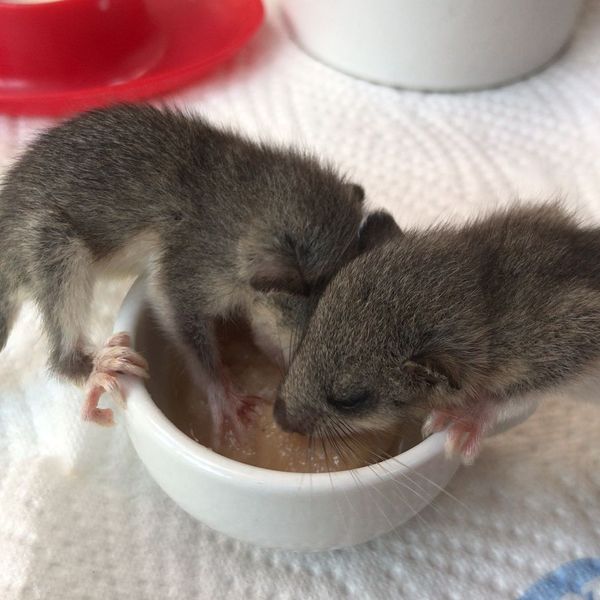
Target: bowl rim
{"x":141,"y":410}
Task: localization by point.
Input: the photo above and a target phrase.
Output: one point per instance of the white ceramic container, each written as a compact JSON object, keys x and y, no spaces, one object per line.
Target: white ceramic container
{"x":444,"y":45}
{"x":271,"y":508}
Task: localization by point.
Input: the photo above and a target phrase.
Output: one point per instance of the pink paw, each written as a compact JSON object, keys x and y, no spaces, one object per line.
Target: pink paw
{"x":115,"y":358}
{"x":465,"y":430}
{"x":240,"y":411}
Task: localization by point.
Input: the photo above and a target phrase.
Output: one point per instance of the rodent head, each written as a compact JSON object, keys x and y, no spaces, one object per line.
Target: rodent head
{"x":291,"y":252}
{"x":379,"y":349}
{"x":281,"y":315}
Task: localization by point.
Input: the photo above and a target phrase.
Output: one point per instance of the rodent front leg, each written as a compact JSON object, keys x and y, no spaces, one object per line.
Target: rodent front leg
{"x":201,"y":351}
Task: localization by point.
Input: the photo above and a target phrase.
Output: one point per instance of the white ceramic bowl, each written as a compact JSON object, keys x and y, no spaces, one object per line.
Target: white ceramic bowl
{"x":271,"y":508}
{"x":434,"y":44}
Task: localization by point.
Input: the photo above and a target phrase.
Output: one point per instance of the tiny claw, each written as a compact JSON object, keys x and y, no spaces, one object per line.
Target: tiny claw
{"x":97,"y":385}
{"x":436,"y":421}
{"x":119,"y":339}
{"x":119,"y":359}
{"x":465,"y":440}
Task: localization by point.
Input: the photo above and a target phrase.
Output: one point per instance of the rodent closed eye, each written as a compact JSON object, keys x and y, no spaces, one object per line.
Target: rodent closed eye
{"x":350,"y":402}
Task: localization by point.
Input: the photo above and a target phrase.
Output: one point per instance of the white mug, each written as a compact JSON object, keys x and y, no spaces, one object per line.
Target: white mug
{"x":437,"y":45}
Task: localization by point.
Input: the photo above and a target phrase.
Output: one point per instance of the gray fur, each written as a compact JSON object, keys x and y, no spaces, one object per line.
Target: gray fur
{"x":498,"y":308}
{"x":207,"y":213}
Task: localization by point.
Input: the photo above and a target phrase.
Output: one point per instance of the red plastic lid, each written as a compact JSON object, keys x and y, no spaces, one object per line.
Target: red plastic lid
{"x":68,"y":55}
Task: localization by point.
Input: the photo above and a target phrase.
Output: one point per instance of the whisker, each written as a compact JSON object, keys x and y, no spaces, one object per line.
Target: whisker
{"x":346,"y":497}
{"x":329,"y":473}
{"x":424,"y":496}
{"x":429,"y":481}
{"x":402,"y":485}
{"x":354,"y":474}
{"x":334,"y":425}
{"x":350,"y":431}
{"x":378,"y":460}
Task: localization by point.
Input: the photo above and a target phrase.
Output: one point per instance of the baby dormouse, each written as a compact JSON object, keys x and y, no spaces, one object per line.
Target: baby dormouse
{"x":220,"y":225}
{"x":462,"y":323}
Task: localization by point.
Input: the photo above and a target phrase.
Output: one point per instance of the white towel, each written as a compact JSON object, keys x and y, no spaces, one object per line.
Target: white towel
{"x":81,"y":519}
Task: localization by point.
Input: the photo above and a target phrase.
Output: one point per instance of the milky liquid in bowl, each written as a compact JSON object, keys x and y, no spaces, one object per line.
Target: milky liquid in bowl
{"x":263,"y":444}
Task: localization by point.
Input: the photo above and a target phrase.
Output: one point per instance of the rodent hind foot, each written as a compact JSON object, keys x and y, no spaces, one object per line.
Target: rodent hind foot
{"x":114,"y":359}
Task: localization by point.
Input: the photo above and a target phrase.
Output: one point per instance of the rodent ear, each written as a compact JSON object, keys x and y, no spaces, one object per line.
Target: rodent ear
{"x":377,"y":228}
{"x":273,"y":275}
{"x":432,"y":372}
{"x":357,"y":192}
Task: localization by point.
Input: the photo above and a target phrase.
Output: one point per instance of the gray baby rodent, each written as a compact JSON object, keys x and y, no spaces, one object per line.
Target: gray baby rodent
{"x":221,"y":225}
{"x":461,"y":323}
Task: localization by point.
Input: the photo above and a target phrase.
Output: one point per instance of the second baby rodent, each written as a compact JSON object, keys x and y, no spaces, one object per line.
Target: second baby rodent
{"x":464,"y":323}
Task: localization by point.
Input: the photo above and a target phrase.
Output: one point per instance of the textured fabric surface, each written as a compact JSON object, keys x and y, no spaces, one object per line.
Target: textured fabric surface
{"x":79,"y":516}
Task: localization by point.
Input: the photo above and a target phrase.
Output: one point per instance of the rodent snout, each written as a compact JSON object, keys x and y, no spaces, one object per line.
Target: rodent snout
{"x":294,"y":421}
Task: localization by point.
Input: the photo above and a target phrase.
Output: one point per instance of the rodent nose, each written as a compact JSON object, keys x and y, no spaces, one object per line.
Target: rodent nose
{"x":280,"y":414}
